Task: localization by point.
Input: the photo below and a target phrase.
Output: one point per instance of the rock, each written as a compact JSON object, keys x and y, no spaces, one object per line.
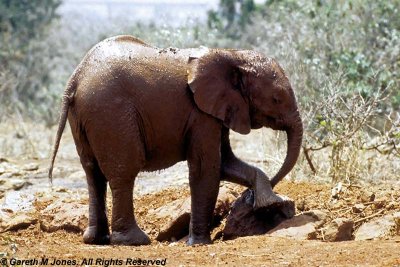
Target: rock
{"x":13,"y":184}
{"x":243,"y":220}
{"x":7,"y":167}
{"x":367,"y":197}
{"x":14,"y":222}
{"x":77,"y":175}
{"x":64,"y":215}
{"x":17,"y":202}
{"x":379,"y":204}
{"x":30,"y":167}
{"x":18,"y":184}
{"x":177,"y":219}
{"x":340,"y":229}
{"x":17,"y":211}
{"x":358,"y":208}
{"x":177,"y":215}
{"x":378,"y":228}
{"x":301,"y":227}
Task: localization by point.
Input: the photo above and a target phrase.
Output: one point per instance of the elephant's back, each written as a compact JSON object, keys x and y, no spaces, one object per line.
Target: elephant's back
{"x":126,"y":66}
{"x":129,"y":39}
{"x":125,"y":53}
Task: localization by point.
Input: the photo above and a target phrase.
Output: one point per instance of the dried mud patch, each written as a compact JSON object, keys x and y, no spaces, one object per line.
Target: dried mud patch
{"x":360,"y":204}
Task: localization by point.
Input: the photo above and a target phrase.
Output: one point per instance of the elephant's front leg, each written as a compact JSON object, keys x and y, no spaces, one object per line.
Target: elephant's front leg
{"x":236,"y":171}
{"x":204,"y":178}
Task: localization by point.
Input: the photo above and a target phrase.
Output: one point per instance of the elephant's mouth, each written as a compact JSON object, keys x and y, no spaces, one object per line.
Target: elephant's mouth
{"x":275,"y":123}
{"x":261,"y":120}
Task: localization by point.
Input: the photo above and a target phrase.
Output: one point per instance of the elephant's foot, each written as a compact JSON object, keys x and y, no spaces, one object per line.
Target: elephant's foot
{"x":263,"y":199}
{"x":264,"y":196}
{"x":133,"y":237}
{"x":284,"y":207}
{"x":95,"y":236}
{"x":199,"y":240}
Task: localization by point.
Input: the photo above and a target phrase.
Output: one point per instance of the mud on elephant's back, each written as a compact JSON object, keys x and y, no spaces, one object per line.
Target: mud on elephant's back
{"x":244,"y":220}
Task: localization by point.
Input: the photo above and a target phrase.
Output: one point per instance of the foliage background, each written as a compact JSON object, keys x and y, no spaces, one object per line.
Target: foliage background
{"x":342,"y":57}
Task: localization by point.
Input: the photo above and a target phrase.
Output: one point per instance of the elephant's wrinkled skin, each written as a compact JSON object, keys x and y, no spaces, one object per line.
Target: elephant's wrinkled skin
{"x":133,"y":107}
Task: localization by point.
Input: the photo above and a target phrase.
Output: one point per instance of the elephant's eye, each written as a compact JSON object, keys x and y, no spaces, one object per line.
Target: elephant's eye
{"x":276,"y":100}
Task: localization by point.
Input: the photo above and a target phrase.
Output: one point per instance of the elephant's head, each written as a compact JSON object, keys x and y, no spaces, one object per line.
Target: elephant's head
{"x":247,"y":90}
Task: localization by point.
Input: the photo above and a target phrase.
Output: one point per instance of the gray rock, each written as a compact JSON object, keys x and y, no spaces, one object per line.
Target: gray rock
{"x":378,"y":228}
{"x":340,"y":229}
{"x":301,"y":227}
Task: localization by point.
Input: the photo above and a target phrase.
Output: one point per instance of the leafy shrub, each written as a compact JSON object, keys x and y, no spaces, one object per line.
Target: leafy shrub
{"x":24,"y":69}
{"x":343,"y":61}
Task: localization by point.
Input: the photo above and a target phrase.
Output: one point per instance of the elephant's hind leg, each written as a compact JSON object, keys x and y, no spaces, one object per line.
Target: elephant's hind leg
{"x":97,"y":232}
{"x":125,"y":230}
{"x":121,"y":156}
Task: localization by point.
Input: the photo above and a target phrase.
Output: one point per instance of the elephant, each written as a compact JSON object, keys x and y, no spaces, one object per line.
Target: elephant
{"x":134,"y":107}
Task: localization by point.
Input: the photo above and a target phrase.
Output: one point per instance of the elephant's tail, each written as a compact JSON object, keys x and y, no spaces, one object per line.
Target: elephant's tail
{"x":66,"y":101}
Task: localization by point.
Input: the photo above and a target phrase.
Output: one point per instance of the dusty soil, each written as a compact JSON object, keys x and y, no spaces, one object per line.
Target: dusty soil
{"x":263,"y":250}
{"x":256,"y":250}
{"x":248,"y":251}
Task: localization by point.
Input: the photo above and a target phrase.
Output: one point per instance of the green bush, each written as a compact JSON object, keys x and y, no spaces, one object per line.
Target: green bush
{"x":24,"y":57}
{"x":343,"y":58}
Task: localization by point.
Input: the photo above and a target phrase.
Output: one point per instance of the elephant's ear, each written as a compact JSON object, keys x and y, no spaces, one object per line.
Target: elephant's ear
{"x":215,"y":78}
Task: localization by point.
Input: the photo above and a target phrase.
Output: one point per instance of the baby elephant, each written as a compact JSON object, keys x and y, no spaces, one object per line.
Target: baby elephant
{"x":133,"y":107}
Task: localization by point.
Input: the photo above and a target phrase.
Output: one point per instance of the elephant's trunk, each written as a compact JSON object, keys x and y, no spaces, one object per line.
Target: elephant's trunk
{"x":294,"y":138}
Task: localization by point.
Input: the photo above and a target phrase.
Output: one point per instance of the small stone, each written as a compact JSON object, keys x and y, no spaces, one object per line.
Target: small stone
{"x":340,"y":229}
{"x":358,"y":208}
{"x":379,"y":204}
{"x":18,"y":184}
{"x":301,"y":227}
{"x":392,"y":205}
{"x":30,"y":167}
{"x":367,"y":197}
{"x":77,"y":175}
{"x":319,"y":215}
{"x":378,"y":228}
{"x":13,"y":183}
{"x":7,"y":167}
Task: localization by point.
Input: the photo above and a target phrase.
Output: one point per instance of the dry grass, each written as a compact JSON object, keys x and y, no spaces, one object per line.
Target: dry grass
{"x":346,"y":86}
